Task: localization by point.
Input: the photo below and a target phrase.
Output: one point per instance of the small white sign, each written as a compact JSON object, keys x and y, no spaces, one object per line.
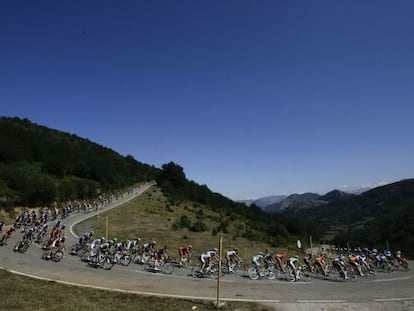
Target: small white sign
{"x":299,"y":244}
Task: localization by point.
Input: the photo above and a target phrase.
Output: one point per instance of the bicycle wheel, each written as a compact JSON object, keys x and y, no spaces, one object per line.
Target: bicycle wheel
{"x":148,"y":267}
{"x":167,"y":268}
{"x":73,"y":249}
{"x":253,"y":273}
{"x":57,"y":256}
{"x":107,"y":263}
{"x":270,"y":275}
{"x":137,"y":259}
{"x":125,"y":260}
{"x":239,"y":269}
{"x":196,"y":273}
{"x":304,"y":276}
{"x":352,"y":275}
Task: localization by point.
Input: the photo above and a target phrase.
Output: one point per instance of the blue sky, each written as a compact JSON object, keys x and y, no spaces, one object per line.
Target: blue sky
{"x":251,"y":98}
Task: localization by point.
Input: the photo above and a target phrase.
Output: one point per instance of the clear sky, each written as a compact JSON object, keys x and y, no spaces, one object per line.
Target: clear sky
{"x":252,"y":98}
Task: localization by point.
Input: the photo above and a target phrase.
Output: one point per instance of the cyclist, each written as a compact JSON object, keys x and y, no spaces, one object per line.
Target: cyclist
{"x":206,"y":259}
{"x":257,"y":260}
{"x":132,"y":244}
{"x":57,"y":244}
{"x":308,"y":262}
{"x":105,"y":247}
{"x":147,"y":250}
{"x":42,"y":232}
{"x":6,"y":235}
{"x":389,"y":257}
{"x":281,"y":260}
{"x":232,"y":256}
{"x":84,"y":238}
{"x":160,"y":255}
{"x":401,"y":258}
{"x":354,"y":261}
{"x":185,"y":254}
{"x":340,"y":265}
{"x":321,"y":262}
{"x":293,"y":264}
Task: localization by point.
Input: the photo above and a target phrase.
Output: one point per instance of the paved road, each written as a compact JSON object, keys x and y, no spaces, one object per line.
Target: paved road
{"x":393,"y":291}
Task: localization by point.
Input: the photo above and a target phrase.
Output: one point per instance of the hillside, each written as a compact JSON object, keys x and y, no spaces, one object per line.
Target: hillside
{"x":40,"y":166}
{"x":265,"y":201}
{"x":294,"y":202}
{"x":372,"y":218}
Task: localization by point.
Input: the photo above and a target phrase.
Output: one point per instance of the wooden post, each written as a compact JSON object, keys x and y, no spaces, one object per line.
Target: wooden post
{"x":219,"y":271}
{"x":310,"y":244}
{"x":106,"y":229}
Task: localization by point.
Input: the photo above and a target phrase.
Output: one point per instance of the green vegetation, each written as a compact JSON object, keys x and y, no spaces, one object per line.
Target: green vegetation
{"x":152,"y":217}
{"x":39,"y":165}
{"x":23,"y":293}
{"x":381,"y":216}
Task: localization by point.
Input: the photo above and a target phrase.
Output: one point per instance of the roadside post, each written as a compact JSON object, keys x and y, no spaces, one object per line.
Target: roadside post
{"x":310,"y":245}
{"x":106,"y":228}
{"x":299,"y":245}
{"x":218,"y":304}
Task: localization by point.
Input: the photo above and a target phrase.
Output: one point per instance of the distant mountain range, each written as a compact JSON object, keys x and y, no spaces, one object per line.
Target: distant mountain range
{"x":265,"y":201}
{"x":279,"y":203}
{"x":375,"y":218}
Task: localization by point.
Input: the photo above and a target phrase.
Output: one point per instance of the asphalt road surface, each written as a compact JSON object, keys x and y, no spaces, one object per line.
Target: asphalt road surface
{"x":385,"y":291}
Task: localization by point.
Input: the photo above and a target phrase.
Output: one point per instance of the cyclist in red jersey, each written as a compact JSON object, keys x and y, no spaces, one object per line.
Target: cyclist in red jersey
{"x":185,"y":254}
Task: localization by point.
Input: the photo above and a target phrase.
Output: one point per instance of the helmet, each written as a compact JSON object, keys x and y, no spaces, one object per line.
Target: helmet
{"x":115,"y":239}
{"x":154,"y":242}
{"x":190,"y":246}
{"x":296,"y":256}
{"x":261,"y":253}
{"x":342,"y":257}
{"x":215,"y":249}
{"x":91,"y":233}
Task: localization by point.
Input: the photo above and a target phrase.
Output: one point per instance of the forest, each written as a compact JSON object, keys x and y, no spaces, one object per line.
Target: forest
{"x":39,"y":166}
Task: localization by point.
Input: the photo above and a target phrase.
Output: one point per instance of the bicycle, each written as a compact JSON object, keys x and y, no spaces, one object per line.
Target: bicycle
{"x":235,"y":267}
{"x":184,"y":262}
{"x":256,"y":273}
{"x":22,"y":246}
{"x":104,"y":261}
{"x":165,"y":267}
{"x":210,"y":271}
{"x":55,"y":255}
{"x":123,"y":258}
{"x":79,"y":250}
{"x":338,"y":275}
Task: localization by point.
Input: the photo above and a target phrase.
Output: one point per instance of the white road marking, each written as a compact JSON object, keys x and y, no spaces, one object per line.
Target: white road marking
{"x":393,"y":279}
{"x":321,"y":301}
{"x":392,"y":299}
{"x":144,"y":293}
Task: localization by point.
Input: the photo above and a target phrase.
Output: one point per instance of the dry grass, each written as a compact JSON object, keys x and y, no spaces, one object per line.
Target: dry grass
{"x":150,"y":217}
{"x":23,"y":293}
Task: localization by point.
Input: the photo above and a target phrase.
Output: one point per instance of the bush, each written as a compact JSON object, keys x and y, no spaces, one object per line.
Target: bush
{"x":199,"y":226}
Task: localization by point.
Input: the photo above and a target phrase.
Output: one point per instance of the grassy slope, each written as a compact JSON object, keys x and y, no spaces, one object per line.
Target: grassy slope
{"x":23,"y":293}
{"x":150,"y":218}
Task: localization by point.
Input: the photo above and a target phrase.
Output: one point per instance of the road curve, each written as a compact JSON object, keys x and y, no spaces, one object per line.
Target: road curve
{"x":395,"y":290}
